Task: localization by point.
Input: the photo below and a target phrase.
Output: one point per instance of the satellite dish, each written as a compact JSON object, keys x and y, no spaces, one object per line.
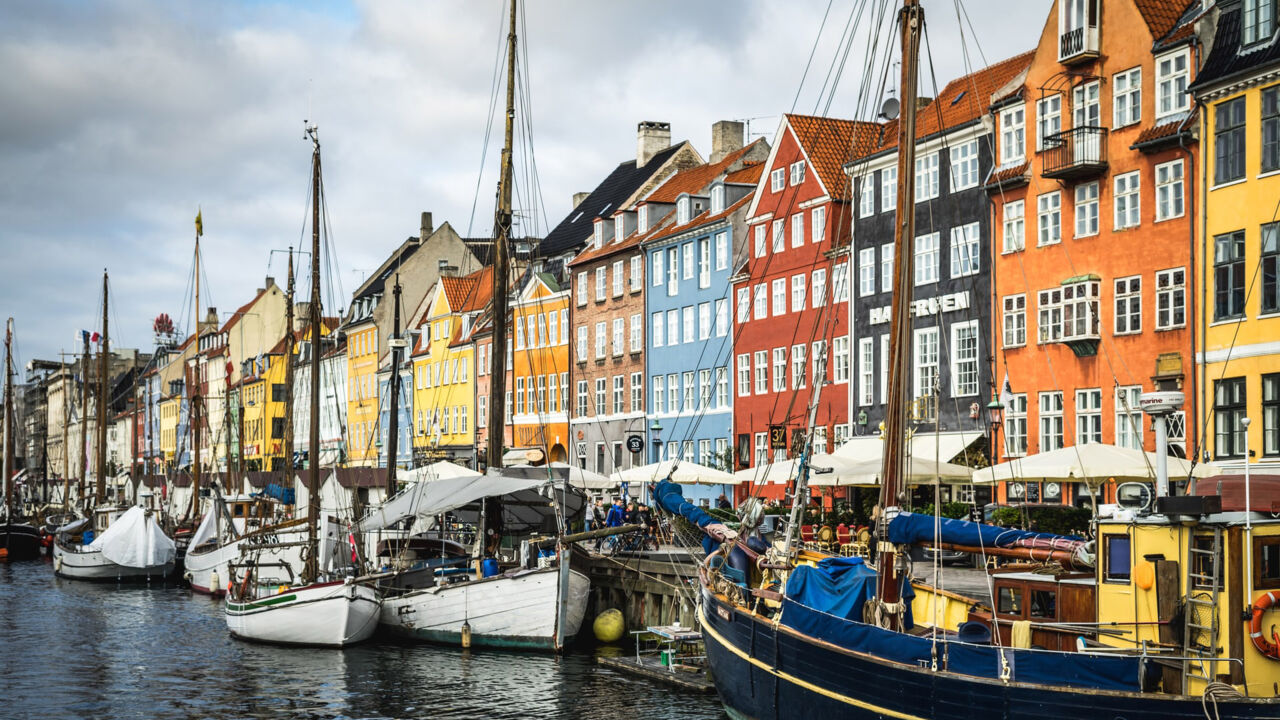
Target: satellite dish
{"x":889,"y":108}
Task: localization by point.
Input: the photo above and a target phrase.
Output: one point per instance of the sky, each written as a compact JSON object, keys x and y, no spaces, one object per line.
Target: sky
{"x":121,"y":118}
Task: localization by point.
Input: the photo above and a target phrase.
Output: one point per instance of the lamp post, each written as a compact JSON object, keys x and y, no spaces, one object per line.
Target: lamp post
{"x":655,"y":436}
{"x":994,"y":412}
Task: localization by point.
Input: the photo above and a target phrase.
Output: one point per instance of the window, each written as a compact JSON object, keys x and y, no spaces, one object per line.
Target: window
{"x":1126,"y":103}
{"x":926,"y":365}
{"x":1050,"y":421}
{"x":722,"y":251}
{"x":617,"y":278}
{"x":673,"y":271}
{"x":619,"y":394}
{"x":1270,"y":247}
{"x":1271,"y":129}
{"x":659,"y":394}
{"x":1049,"y":110}
{"x":1169,"y":190}
{"x":642,"y":219}
{"x":637,"y":272}
{"x":1015,"y":426}
{"x":819,"y":287}
{"x":866,"y":196}
{"x":519,"y":395}
{"x":840,"y":348}
{"x":866,"y":369}
{"x":779,"y":236}
{"x":779,"y":297}
{"x":1228,"y":275}
{"x":1257,"y":21}
{"x":1128,"y":305}
{"x":582,"y":343}
{"x":1128,"y":417}
{"x":744,"y":305}
{"x":598,"y":238}
{"x":762,"y":372}
{"x":779,"y":369}
{"x":797,"y":172}
{"x":818,"y":356}
{"x":778,"y":179}
{"x":682,"y":210}
{"x":761,"y":301}
{"x":601,"y":396}
{"x":687,"y":323}
{"x":762,"y":448}
{"x":964,"y":166}
{"x":600,"y":339}
{"x":744,"y":374}
{"x":582,"y":289}
{"x":964,"y":250}
{"x":657,"y":329}
{"x":1127,"y":203}
{"x":704,"y":389}
{"x":840,"y":282}
{"x":1171,"y":85}
{"x":722,"y":387}
{"x":704,"y":263}
{"x":542,"y":393}
{"x":1086,"y":209}
{"x":704,"y":320}
{"x":552,"y":394}
{"x":886,"y":267}
{"x":1013,"y":146}
{"x":686,"y":250}
{"x":797,"y":230}
{"x":1080,"y":310}
{"x":1171,"y":298}
{"x":519,"y":333}
{"x":964,"y":358}
{"x":884,"y":368}
{"x":866,"y":272}
{"x":1228,"y":141}
{"x":1088,"y":416}
{"x":927,"y":177}
{"x":1118,"y":558}
{"x":600,"y":283}
{"x":1014,"y":238}
{"x":722,"y":318}
{"x":759,"y":240}
{"x":926,"y":248}
{"x":889,"y":189}
{"x":1010,"y":601}
{"x":658,"y":274}
{"x":637,"y":341}
{"x":1050,"y":218}
{"x":798,"y":367}
{"x":797,"y":292}
{"x":687,"y":395}
{"x":1015,"y":321}
{"x":818,"y":224}
{"x":717,"y":199}
{"x":1271,"y":414}
{"x":1228,"y":411}
{"x":482,"y":416}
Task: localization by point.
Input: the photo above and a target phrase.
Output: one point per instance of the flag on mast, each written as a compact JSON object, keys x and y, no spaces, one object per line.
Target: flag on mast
{"x":199,"y":224}
{"x":1006,"y":393}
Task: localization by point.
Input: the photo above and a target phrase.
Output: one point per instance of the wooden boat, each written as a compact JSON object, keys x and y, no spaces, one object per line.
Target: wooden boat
{"x":130,"y":548}
{"x":18,"y":540}
{"x":230,"y":531}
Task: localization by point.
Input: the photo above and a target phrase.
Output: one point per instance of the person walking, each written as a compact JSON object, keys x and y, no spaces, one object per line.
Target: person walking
{"x":722,"y":502}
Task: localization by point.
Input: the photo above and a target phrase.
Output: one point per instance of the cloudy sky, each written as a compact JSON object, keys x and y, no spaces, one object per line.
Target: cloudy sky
{"x":122,"y":116}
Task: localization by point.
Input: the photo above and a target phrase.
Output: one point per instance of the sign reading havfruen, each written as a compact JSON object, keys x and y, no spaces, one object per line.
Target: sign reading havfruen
{"x":925,"y":306}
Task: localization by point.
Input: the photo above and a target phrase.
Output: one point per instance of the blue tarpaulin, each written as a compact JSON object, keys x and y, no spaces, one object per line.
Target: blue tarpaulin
{"x":839,"y":586}
{"x":912,"y":529}
{"x":285,"y":495}
{"x":671,"y":498}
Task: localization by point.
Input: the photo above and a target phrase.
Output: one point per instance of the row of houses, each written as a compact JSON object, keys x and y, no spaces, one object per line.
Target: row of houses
{"x":1075,"y":248}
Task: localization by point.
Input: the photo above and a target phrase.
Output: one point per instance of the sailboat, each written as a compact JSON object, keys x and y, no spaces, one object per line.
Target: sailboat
{"x":791,"y":632}
{"x":325,"y":606}
{"x":18,"y":540}
{"x":114,"y":542}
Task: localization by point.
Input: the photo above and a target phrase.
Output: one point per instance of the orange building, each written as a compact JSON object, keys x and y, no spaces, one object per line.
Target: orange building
{"x":538,"y":384}
{"x":1093,"y":209}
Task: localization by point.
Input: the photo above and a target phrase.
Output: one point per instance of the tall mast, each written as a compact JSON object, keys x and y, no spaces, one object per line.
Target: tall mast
{"x":313,"y":462}
{"x":193,"y":388}
{"x":83,"y":480}
{"x":288,"y":380}
{"x":911,"y":21}
{"x":66,"y":449}
{"x":8,"y":423}
{"x":501,"y":241}
{"x":393,"y":426}
{"x":100,"y":489}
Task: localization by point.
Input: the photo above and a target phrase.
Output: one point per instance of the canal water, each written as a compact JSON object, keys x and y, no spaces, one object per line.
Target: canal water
{"x":82,"y":650}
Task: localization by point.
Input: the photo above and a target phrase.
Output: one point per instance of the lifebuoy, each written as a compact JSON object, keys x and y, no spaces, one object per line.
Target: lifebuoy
{"x":1269,"y":648}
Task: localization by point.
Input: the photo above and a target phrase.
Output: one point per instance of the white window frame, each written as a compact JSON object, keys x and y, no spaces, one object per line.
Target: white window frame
{"x":1126,"y":97}
{"x":818,"y":224}
{"x":866,"y":272}
{"x":889,"y":189}
{"x":704,"y":263}
{"x":960,"y":386}
{"x":1170,"y":191}
{"x":1014,"y":320}
{"x":637,"y":332}
{"x":1128,"y":305}
{"x":762,"y":371}
{"x":600,"y":283}
{"x":582,"y":289}
{"x":722,"y":317}
{"x":704,"y":320}
{"x":758,"y":233}
{"x":798,"y":292}
{"x":1171,"y":296}
{"x":886,"y":267}
{"x":1086,"y":214}
{"x":779,"y":241}
{"x":1049,"y":219}
{"x":1048,"y":119}
{"x":779,"y":369}
{"x":637,"y":272}
{"x":778,"y":179}
{"x":619,"y":333}
{"x":819,"y":291}
{"x":1129,"y":429}
{"x":797,"y":173}
{"x":1052,"y":430}
{"x":760,"y":301}
{"x":840,"y":359}
{"x":866,"y":196}
{"x":926,"y":248}
{"x":722,"y":251}
{"x":964,"y":166}
{"x":1128,"y":200}
{"x":1171,"y":84}
{"x":966,"y":258}
{"x":1013,"y":138}
{"x":744,"y":374}
{"x":797,"y":230}
{"x":927,"y":185}
{"x":687,"y":329}
{"x":659,"y":273}
{"x":866,"y":371}
{"x":925,"y":361}
{"x":582,"y":344}
{"x":799,"y":368}
{"x":744,"y":304}
{"x":1013,"y":216}
{"x":779,"y":294}
{"x":1015,"y":426}
{"x":1088,"y":416}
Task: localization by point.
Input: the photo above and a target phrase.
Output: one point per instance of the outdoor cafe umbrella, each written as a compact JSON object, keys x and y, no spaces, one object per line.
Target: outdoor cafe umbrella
{"x":685,"y":472}
{"x":1091,"y":463}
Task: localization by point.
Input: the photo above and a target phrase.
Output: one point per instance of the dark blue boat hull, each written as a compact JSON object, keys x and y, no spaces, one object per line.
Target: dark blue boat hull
{"x":765,"y":671}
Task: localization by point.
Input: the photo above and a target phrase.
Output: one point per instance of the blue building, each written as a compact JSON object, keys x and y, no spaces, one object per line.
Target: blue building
{"x":688,"y":306}
{"x":404,"y":409}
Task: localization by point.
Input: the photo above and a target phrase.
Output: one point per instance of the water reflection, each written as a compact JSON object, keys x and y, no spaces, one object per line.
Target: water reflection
{"x":73,"y":649}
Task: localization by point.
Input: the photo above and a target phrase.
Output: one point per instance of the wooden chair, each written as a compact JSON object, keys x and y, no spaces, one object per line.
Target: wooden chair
{"x":845,"y":537}
{"x":826,"y":538}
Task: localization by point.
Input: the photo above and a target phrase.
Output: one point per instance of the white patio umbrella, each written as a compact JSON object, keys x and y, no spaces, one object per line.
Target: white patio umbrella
{"x":774,"y":472}
{"x":439,"y":470}
{"x":1090,"y":462}
{"x":584,"y":479}
{"x":918,"y":470}
{"x":685,"y":472}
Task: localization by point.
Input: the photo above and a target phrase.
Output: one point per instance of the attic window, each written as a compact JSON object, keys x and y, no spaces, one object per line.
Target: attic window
{"x":605,"y":209}
{"x":642,"y":219}
{"x":957,"y":98}
{"x":619,"y":226}
{"x":717,"y":199}
{"x":599,"y":236}
{"x":575,"y":217}
{"x":682,"y":210}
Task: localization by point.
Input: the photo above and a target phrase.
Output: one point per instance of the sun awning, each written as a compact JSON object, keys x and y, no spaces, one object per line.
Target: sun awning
{"x":1090,"y":461}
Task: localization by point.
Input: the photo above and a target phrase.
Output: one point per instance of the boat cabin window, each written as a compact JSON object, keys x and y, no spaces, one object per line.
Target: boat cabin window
{"x":1009,"y":601}
{"x":1266,"y":559}
{"x":1118,"y":558}
{"x":239,"y":510}
{"x":1044,"y":604}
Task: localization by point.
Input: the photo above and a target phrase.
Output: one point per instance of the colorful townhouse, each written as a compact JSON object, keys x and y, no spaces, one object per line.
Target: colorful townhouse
{"x":539,"y":380}
{"x":951,"y":345}
{"x":791,"y":292}
{"x":1092,"y":197}
{"x":333,"y":401}
{"x":482,"y":338}
{"x":445,"y":370}
{"x":1238,"y":358}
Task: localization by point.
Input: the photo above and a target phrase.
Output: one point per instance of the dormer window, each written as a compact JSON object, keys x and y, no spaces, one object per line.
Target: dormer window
{"x":1077,"y":30}
{"x":1172,"y":76}
{"x":1257,"y":21}
{"x":682,"y":210}
{"x":642,"y":219}
{"x":620,"y":226}
{"x":598,"y":240}
{"x":717,"y":199}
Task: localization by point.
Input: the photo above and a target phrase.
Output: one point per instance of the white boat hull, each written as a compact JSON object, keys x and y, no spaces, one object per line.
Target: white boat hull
{"x":333,"y":614}
{"x":518,"y":611}
{"x":207,"y":572}
{"x":78,"y":562}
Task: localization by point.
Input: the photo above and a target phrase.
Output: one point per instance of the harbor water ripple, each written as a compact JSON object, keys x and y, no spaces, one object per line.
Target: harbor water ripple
{"x":81,"y":650}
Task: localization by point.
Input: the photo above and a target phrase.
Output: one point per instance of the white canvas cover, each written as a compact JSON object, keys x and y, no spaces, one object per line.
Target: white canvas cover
{"x":205,"y":532}
{"x":135,"y":540}
{"x":425,"y":499}
{"x":685,"y":472}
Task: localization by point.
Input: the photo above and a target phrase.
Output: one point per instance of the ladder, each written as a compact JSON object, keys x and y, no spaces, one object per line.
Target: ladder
{"x":1200,"y":623}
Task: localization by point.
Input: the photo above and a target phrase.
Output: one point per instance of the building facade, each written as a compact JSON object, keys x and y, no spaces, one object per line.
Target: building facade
{"x":539,"y":377}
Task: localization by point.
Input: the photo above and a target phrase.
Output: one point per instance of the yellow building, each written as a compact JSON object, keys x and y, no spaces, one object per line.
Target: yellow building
{"x":362,"y":392}
{"x":169,"y":409}
{"x":444,"y":369}
{"x":1239,"y":357}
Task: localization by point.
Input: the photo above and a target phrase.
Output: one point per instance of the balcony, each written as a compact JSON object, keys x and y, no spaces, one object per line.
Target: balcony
{"x":1075,"y":154}
{"x":1078,"y":45}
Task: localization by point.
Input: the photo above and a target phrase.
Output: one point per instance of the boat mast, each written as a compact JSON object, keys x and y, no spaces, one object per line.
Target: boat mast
{"x":100,"y":489}
{"x":313,"y":461}
{"x":393,"y":426}
{"x":193,"y":388}
{"x":8,"y":425}
{"x":288,"y":384}
{"x":84,"y":422}
{"x":911,"y":22}
{"x":501,"y":242}
{"x":66,"y":450}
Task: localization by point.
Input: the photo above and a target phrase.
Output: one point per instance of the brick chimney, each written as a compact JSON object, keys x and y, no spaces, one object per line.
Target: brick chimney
{"x":651,"y":138}
{"x":426,"y":229}
{"x":578,"y":197}
{"x":726,"y":137}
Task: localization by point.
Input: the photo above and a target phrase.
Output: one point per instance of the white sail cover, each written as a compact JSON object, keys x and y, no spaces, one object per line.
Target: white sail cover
{"x":425,"y":499}
{"x":206,"y":530}
{"x":135,"y":540}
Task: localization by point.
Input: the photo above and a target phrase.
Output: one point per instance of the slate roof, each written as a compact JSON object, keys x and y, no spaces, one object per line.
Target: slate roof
{"x":1228,"y":60}
{"x":625,"y":179}
{"x":830,"y":143}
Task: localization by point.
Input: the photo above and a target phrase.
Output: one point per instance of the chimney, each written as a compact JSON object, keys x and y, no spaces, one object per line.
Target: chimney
{"x":651,"y":139}
{"x":578,"y":197}
{"x":301,"y":316}
{"x":426,"y":229}
{"x":211,"y":318}
{"x":726,"y":137}
{"x":271,"y":282}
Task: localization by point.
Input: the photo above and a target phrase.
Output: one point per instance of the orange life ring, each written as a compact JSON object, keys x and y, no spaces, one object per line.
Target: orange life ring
{"x":1263,"y":604}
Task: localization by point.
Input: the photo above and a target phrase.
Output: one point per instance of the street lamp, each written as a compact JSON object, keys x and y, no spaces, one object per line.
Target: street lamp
{"x":655,"y":436}
{"x":994,"y":412}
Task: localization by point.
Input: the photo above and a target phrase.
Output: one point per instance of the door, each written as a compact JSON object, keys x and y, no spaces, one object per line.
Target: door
{"x":1086,"y":113}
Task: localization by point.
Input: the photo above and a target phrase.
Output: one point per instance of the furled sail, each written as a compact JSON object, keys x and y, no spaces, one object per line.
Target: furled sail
{"x":135,"y":540}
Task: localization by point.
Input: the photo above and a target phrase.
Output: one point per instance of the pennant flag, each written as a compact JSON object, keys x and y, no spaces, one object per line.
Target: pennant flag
{"x":84,"y":335}
{"x":1006,"y":393}
{"x":95,"y":337}
{"x":199,"y":224}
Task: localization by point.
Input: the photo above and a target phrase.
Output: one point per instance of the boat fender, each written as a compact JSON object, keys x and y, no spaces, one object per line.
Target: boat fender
{"x":1271,"y":648}
{"x":466,"y":634}
{"x":213,"y":579}
{"x":57,"y":564}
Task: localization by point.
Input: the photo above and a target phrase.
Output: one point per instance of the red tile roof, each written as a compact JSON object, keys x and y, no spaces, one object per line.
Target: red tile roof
{"x":830,"y":143}
{"x":703,"y":219}
{"x":1165,"y":131}
{"x":696,"y":179}
{"x":748,"y":175}
{"x":1010,"y":176}
{"x":1161,"y":15}
{"x":613,"y":246}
